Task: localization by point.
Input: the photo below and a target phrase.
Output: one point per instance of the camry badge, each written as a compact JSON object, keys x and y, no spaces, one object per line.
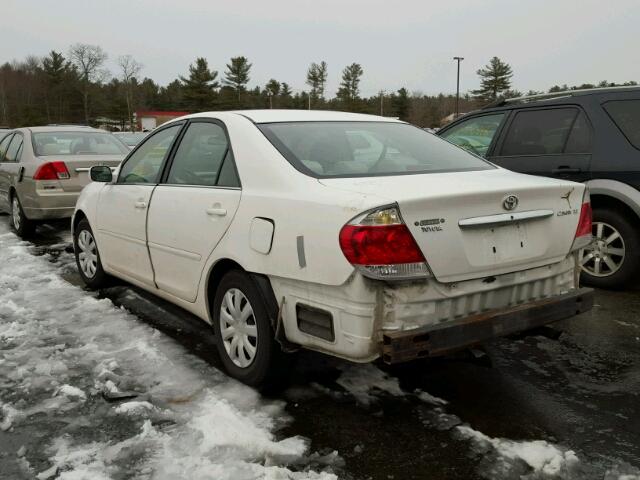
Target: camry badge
{"x":510,"y":202}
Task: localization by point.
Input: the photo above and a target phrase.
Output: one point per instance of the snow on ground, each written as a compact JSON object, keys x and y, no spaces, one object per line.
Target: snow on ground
{"x":87,"y":391}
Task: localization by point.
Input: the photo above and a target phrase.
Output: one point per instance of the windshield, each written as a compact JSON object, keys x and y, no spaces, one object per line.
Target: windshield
{"x":77,"y":143}
{"x":356,"y":149}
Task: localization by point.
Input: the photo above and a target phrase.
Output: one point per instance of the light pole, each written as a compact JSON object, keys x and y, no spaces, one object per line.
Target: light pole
{"x":381,"y":103}
{"x":458,"y":59}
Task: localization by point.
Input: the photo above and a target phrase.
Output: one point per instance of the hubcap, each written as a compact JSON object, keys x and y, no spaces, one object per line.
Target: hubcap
{"x":606,"y":253}
{"x":238,"y":328}
{"x":16,"y":213}
{"x":88,"y":255}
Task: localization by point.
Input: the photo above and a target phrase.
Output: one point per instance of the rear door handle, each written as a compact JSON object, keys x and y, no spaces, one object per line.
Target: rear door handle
{"x":566,"y":170}
{"x":217,"y":212}
{"x":141,"y":205}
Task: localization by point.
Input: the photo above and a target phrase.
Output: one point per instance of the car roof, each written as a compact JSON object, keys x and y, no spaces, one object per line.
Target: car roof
{"x":67,"y":128}
{"x":275,"y":115}
{"x":559,"y":96}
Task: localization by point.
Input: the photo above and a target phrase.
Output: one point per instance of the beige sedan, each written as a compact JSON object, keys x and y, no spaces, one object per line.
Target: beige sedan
{"x":43,"y":170}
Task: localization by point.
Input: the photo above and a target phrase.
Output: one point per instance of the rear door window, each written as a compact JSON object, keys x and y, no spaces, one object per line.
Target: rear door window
{"x":475,"y":134}
{"x":3,"y":146}
{"x":14,"y":149}
{"x":539,"y":132}
{"x":626,"y":115}
{"x":579,"y":140}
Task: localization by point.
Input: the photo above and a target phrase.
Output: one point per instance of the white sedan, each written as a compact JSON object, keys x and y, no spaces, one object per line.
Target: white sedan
{"x":354,"y":235}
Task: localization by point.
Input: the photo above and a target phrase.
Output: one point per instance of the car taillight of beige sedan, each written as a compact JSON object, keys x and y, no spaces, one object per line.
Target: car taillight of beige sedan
{"x":353,"y":235}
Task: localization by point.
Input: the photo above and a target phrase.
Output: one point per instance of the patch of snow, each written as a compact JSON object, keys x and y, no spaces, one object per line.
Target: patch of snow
{"x":60,"y":344}
{"x":542,"y":457}
{"x":71,"y":391}
{"x":362,"y":380}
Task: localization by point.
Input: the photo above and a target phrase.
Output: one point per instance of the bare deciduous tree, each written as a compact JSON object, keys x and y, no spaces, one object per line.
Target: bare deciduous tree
{"x":129,"y":69}
{"x":89,"y":60}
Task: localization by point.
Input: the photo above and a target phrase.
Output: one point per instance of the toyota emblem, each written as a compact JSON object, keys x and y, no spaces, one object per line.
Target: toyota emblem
{"x":510,"y":202}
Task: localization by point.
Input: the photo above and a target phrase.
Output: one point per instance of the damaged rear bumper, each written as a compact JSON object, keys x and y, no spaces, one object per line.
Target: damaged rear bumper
{"x":431,"y":341}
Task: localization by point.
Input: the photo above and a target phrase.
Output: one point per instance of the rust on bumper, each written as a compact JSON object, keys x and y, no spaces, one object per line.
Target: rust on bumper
{"x":434,"y":340}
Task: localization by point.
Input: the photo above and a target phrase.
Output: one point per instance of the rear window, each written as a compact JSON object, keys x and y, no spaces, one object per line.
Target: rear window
{"x":77,"y":143}
{"x":626,"y":115}
{"x":357,"y":149}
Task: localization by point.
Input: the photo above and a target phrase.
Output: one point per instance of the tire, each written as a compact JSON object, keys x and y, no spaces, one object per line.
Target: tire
{"x":626,"y":245}
{"x":255,"y":360}
{"x":88,"y":256}
{"x":23,"y":227}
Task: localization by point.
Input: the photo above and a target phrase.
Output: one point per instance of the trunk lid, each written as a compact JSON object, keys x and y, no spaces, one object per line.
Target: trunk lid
{"x":463,"y":228}
{"x":79,"y":166}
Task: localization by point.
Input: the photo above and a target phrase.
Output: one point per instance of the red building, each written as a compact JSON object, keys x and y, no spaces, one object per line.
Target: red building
{"x":148,"y":120}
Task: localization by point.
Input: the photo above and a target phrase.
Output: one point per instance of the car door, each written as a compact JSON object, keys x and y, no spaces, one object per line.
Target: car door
{"x":476,"y":134}
{"x":121,"y":217}
{"x":192,"y":207}
{"x":4,"y":174}
{"x":553,"y":142}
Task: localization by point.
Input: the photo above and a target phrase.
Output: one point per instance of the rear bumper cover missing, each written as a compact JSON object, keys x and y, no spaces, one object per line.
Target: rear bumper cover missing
{"x":431,"y":341}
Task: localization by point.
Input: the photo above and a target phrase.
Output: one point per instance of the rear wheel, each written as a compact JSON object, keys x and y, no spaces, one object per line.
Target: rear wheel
{"x":20,"y":223}
{"x":613,"y":259}
{"x":88,"y":257}
{"x":244,"y":336}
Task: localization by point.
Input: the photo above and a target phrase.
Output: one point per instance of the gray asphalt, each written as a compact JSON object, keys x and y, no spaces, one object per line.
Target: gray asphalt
{"x":575,"y":384}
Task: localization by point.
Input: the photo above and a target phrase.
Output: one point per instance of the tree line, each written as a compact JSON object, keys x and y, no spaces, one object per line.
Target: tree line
{"x":76,"y":87}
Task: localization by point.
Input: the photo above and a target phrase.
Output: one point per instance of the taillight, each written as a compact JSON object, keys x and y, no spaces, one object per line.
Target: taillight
{"x":584,"y":231}
{"x":52,"y":171}
{"x":381,"y":246}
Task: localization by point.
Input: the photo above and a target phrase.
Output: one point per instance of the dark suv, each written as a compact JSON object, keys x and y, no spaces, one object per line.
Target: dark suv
{"x":590,"y":136}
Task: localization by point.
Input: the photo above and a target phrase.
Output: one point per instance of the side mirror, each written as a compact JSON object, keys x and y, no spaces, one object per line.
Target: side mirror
{"x":101,"y":173}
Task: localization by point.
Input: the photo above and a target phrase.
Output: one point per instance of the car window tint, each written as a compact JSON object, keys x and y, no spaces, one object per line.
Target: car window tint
{"x":626,"y":115}
{"x":14,"y":148}
{"x":77,"y":143}
{"x":199,"y":156}
{"x":3,"y":146}
{"x":539,"y":132}
{"x":475,"y":134}
{"x":228,"y":175}
{"x":580,"y":138}
{"x":144,"y":165}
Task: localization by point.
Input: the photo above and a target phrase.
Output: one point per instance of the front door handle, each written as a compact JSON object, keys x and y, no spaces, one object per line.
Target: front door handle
{"x":141,"y":205}
{"x":216,"y":212}
{"x":561,"y":170}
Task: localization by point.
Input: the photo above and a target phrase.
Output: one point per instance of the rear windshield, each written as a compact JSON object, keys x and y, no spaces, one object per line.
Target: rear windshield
{"x":77,"y":143}
{"x":626,"y":115}
{"x":357,"y":149}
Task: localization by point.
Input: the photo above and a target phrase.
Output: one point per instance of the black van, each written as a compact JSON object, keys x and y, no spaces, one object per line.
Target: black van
{"x":590,"y":136}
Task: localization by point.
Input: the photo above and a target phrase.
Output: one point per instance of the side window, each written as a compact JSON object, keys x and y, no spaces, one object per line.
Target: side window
{"x":579,"y":140}
{"x":200,"y":155}
{"x":228,"y":175}
{"x":14,"y":147}
{"x":144,"y":165}
{"x":3,"y":146}
{"x":476,"y":134}
{"x":626,"y":115}
{"x":539,"y":132}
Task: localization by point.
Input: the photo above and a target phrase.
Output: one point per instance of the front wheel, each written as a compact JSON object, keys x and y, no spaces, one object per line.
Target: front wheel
{"x":244,"y":336}
{"x":20,"y":223}
{"x":88,"y":257}
{"x":613,"y":258}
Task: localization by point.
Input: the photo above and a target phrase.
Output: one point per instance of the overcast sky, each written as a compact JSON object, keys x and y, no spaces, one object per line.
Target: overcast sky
{"x":398,"y":42}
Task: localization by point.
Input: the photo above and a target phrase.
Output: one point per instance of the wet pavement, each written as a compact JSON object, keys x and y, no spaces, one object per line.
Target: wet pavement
{"x":575,"y":386}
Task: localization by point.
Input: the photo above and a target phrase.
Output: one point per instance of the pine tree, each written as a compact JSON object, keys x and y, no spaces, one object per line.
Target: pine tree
{"x":401,"y":104}
{"x":198,"y":90}
{"x":317,"y":79}
{"x":495,"y":78}
{"x":350,"y":85}
{"x":237,"y":74}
